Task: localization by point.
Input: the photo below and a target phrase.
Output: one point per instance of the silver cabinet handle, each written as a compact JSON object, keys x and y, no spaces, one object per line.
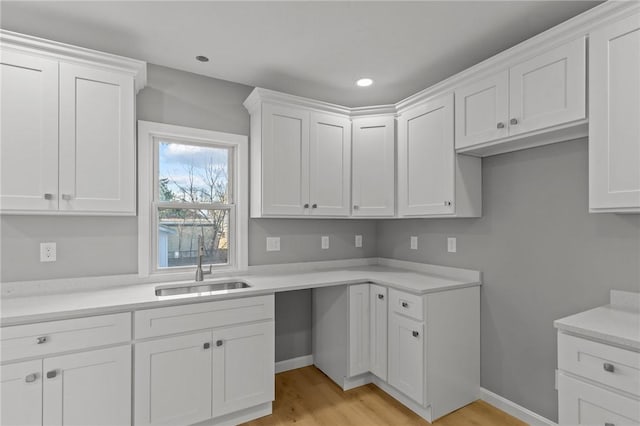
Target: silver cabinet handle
{"x":67,"y":197}
{"x":207,"y":345}
{"x":51,"y":374}
{"x":219,"y":342}
{"x":500,"y":125}
{"x":405,"y":305}
{"x":608,"y":367}
{"x":609,"y":424}
{"x":381,"y":296}
{"x":356,"y":207}
{"x":42,"y":339}
{"x":314,"y":206}
{"x":48,"y":196}
{"x":447,"y":203}
{"x":415,"y":334}
{"x":513,"y":121}
{"x":306,"y":206}
{"x":31,"y":378}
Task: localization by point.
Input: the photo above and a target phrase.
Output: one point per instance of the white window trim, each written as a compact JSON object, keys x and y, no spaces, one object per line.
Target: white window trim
{"x":148,"y":133}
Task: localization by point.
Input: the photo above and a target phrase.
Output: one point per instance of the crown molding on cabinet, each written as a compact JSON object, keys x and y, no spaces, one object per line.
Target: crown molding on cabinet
{"x":79,"y":55}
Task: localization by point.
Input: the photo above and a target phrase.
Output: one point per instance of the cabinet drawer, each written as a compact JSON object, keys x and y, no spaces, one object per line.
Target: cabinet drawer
{"x":22,"y":341}
{"x":615,"y":367}
{"x":406,"y":304}
{"x":198,"y":316}
{"x":581,"y":403}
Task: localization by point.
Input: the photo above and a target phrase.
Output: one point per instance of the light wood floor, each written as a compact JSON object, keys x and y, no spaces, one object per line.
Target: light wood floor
{"x":306,"y":397}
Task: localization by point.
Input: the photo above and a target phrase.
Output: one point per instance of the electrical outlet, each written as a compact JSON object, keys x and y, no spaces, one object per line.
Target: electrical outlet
{"x":325,"y":242}
{"x":358,"y":240}
{"x":414,"y":243}
{"x":47,"y":252}
{"x":451,"y":244}
{"x":273,"y":243}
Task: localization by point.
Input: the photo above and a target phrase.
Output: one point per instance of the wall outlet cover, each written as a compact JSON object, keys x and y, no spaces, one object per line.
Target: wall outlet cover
{"x":325,"y":242}
{"x":273,"y":243}
{"x":358,"y":240}
{"x":414,"y":243}
{"x":47,"y":252}
{"x":451,"y":244}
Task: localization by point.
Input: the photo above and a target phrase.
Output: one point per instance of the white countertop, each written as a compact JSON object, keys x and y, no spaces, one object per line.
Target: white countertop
{"x":616,"y":323}
{"x":414,"y":278}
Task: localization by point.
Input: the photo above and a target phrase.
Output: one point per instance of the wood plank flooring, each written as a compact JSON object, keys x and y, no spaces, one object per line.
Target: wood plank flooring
{"x":306,"y":397}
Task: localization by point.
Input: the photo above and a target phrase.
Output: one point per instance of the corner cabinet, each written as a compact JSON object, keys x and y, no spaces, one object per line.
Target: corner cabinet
{"x":300,"y":161}
{"x":614,"y":124}
{"x":67,"y":144}
{"x":432,"y":180}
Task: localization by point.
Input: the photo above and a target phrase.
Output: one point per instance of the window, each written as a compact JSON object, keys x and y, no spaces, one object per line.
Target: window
{"x":192,"y":185}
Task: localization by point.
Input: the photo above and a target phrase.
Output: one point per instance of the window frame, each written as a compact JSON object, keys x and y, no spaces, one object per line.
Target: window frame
{"x":149,"y":135}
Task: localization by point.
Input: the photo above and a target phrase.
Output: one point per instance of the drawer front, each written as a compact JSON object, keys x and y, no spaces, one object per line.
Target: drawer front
{"x":22,"y":341}
{"x":406,"y":304}
{"x":615,"y":367}
{"x":198,"y":316}
{"x":581,"y":403}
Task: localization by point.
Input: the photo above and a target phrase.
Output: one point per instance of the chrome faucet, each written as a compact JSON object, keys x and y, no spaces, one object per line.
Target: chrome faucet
{"x":199,"y":272}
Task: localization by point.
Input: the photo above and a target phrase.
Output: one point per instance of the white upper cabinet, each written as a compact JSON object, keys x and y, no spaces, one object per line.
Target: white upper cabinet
{"x":373,"y":167}
{"x":614,"y":122}
{"x":432,"y":180}
{"x":300,"y":160}
{"x":517,"y":108}
{"x":29,"y":132}
{"x":68,"y":135}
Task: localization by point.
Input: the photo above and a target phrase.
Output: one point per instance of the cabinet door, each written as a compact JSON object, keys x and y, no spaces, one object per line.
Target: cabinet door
{"x":21,"y":394}
{"x":243,"y":367}
{"x":358,"y":329}
{"x":378,"y":331}
{"x":330,"y":165}
{"x":614,"y":108}
{"x":97,"y":141}
{"x":373,"y":175}
{"x":549,"y":89}
{"x":482,"y":110}
{"x":426,"y":159}
{"x":581,"y":403}
{"x":173,"y":380}
{"x":285,"y":161}
{"x":88,"y":388}
{"x":406,"y":357}
{"x":29,"y":132}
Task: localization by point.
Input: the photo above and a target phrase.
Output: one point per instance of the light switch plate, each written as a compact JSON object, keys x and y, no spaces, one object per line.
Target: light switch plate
{"x":358,"y":240}
{"x":414,"y":243}
{"x":273,"y":243}
{"x":47,"y":252}
{"x":451,"y":244}
{"x":325,"y":242}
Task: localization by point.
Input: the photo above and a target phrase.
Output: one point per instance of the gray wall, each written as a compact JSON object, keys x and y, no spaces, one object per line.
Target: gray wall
{"x":543,"y":257}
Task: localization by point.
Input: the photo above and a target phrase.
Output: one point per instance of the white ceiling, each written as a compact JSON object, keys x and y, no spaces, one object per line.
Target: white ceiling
{"x":314,"y":49}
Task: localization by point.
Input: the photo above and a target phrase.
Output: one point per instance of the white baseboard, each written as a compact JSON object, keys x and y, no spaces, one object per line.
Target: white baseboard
{"x":293,"y":363}
{"x":514,"y":409}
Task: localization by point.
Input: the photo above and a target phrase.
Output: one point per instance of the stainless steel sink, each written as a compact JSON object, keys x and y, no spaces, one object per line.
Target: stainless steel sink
{"x":213,"y":288}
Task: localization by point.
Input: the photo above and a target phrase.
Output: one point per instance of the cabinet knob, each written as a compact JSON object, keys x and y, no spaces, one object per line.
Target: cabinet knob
{"x":513,"y":121}
{"x":48,"y":196}
{"x":447,"y":203}
{"x":500,"y":125}
{"x":42,"y":339}
{"x":219,"y":342}
{"x":67,"y":197}
{"x":207,"y":345}
{"x":405,"y":305}
{"x":381,"y":296}
{"x":609,"y":424}
{"x":356,"y":207}
{"x":314,"y":206}
{"x":31,"y":378}
{"x":51,"y":374}
{"x":608,"y":367}
{"x":415,"y":334}
{"x":306,"y":206}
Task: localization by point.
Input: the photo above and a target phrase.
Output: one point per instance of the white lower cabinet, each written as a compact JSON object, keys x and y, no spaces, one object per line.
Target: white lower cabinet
{"x":378,"y":312}
{"x":358,"y":329}
{"x":406,"y":356}
{"x":21,"y":393}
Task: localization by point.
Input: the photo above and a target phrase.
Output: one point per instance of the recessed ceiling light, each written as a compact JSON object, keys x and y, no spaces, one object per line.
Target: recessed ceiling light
{"x":202,"y":58}
{"x":364,"y":82}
